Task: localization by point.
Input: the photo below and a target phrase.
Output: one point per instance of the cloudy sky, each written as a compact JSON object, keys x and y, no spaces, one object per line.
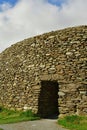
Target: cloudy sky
{"x":20,"y":19}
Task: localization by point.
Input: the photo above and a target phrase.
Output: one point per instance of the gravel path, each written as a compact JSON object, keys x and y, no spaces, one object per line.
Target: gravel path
{"x":44,"y":124}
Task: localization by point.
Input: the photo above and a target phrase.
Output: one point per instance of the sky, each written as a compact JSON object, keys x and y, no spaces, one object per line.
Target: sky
{"x":21,"y":19}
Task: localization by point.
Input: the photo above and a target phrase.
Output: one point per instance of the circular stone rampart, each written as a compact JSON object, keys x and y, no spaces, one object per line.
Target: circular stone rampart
{"x":59,"y":56}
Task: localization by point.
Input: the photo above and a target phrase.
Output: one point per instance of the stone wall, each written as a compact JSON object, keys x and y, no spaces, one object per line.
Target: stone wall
{"x":59,"y":56}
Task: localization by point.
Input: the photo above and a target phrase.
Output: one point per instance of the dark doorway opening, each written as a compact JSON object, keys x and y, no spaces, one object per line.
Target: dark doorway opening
{"x":48,"y":99}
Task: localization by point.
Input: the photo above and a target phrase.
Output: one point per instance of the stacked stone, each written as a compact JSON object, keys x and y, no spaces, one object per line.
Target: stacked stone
{"x":60,"y":56}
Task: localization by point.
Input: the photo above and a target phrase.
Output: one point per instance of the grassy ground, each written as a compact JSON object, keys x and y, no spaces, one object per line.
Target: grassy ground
{"x":74,"y":122}
{"x":10,"y":116}
{"x":1,"y":129}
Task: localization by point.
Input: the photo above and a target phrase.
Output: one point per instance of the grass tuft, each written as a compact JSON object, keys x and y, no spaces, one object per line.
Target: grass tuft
{"x":27,"y":113}
{"x":1,"y":129}
{"x":11,"y":116}
{"x":74,"y":122}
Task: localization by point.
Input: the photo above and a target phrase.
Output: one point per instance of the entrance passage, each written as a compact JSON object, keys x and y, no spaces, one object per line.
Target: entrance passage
{"x":48,"y":99}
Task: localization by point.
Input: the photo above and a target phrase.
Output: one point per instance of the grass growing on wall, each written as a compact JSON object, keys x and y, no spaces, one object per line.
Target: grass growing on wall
{"x":74,"y":122}
{"x":10,"y":116}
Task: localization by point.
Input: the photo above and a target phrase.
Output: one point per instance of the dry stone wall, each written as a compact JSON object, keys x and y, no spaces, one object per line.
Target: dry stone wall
{"x":56,"y":56}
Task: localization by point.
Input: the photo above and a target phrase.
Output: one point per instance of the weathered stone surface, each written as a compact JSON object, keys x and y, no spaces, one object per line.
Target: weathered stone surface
{"x":61,"y":93}
{"x":59,"y":56}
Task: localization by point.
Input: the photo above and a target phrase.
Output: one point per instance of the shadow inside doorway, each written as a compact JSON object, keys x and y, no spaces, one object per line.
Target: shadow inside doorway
{"x":48,"y":100}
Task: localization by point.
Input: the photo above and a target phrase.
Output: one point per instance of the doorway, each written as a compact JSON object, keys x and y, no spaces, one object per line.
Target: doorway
{"x":48,"y":99}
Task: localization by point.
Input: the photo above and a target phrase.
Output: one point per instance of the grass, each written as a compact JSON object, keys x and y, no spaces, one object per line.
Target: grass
{"x":1,"y":129}
{"x":74,"y":122}
{"x":10,"y":116}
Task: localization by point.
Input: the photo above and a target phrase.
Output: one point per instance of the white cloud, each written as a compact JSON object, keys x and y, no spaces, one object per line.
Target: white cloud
{"x":32,"y":17}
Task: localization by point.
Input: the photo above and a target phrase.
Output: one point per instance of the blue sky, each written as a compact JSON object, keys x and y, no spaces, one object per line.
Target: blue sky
{"x":54,"y":2}
{"x":12,"y":2}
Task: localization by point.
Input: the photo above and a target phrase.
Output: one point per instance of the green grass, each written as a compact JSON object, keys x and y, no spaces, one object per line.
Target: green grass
{"x":10,"y":116}
{"x":74,"y":122}
{"x":1,"y":129}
